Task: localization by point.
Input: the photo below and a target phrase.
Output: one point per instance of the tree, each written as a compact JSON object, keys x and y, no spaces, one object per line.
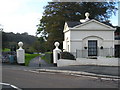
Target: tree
{"x":11,"y":39}
{"x":39,"y":46}
{"x":56,"y":13}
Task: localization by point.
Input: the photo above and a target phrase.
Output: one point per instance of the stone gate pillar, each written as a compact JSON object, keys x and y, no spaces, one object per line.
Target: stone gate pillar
{"x":20,"y":54}
{"x":56,"y":51}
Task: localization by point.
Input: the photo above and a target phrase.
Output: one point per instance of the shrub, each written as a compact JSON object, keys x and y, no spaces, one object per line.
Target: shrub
{"x":67,"y":55}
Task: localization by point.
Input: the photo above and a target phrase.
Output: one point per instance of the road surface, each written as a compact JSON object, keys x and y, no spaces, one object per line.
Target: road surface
{"x":27,"y":79}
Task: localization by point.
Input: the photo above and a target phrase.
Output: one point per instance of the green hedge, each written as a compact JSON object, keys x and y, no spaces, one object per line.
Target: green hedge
{"x":67,"y":55}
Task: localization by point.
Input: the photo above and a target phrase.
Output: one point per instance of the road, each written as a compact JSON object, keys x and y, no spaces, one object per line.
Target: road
{"x":26,"y":79}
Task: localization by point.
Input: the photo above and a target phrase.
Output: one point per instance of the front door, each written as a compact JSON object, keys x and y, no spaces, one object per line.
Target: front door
{"x":92,"y":47}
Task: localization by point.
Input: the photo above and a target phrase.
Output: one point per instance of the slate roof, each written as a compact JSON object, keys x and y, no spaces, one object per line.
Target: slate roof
{"x":75,"y":23}
{"x":72,"y":24}
{"x":118,"y":29}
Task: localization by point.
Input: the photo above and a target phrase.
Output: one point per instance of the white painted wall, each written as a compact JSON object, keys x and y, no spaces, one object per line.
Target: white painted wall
{"x":66,"y":42}
{"x":117,"y":42}
{"x":81,"y":34}
{"x":84,"y":61}
{"x":79,"y":39}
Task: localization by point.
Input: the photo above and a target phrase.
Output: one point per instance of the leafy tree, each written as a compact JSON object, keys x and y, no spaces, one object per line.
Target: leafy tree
{"x":39,"y":45}
{"x":56,"y":13}
{"x":10,"y":39}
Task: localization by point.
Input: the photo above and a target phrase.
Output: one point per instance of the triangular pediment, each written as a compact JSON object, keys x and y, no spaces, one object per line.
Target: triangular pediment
{"x":92,"y":25}
{"x":66,"y":28}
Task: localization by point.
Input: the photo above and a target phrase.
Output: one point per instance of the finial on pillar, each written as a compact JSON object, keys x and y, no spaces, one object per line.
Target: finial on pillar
{"x":20,"y":44}
{"x":20,"y":54}
{"x":56,"y":44}
{"x":56,"y":51}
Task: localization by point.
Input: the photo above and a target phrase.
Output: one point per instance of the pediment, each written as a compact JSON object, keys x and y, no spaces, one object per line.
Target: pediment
{"x":92,"y":25}
{"x":66,"y":28}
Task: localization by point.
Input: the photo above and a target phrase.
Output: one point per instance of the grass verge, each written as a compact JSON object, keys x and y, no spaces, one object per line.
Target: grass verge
{"x":5,"y":50}
{"x":47,"y":57}
{"x":29,"y":57}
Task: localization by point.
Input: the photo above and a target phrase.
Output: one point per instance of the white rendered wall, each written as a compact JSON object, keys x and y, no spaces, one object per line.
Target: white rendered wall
{"x":117,"y":42}
{"x":81,"y":34}
{"x":84,"y":61}
{"x":66,"y":41}
{"x":21,"y":56}
{"x":79,"y":39}
{"x":75,"y":45}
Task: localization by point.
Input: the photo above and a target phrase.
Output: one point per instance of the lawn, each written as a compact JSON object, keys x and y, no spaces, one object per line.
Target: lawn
{"x":5,"y":50}
{"x":29,"y":57}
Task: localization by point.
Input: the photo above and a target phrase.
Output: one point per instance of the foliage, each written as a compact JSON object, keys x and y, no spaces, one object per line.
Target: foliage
{"x":118,"y":29}
{"x":56,"y":13}
{"x":29,"y":57}
{"x":10,"y":39}
{"x":48,"y":57}
{"x":39,"y":45}
{"x":67,"y":55}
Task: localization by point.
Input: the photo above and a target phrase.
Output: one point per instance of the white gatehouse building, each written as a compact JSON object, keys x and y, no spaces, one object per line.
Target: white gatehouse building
{"x":91,"y":42}
{"x":89,"y":38}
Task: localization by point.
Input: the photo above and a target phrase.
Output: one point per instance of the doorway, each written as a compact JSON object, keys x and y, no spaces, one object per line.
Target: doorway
{"x":92,"y":47}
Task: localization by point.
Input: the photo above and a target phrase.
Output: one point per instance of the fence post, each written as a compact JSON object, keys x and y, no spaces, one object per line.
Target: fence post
{"x":76,"y":53}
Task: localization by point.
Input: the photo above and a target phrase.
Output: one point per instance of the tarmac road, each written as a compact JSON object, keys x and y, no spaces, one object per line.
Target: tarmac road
{"x":27,"y":79}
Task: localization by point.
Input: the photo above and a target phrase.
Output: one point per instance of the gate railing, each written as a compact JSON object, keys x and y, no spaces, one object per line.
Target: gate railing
{"x":105,"y":52}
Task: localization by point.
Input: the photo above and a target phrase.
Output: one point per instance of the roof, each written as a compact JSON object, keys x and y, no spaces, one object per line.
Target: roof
{"x":75,"y":23}
{"x":118,"y":29}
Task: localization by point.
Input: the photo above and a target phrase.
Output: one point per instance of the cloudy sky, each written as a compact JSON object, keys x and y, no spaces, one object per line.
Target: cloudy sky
{"x":23,"y":15}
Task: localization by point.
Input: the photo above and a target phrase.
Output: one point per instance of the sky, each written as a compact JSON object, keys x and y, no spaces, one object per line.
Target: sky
{"x":21,"y":16}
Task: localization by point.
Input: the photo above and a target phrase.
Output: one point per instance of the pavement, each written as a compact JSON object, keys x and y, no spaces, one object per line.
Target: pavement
{"x":39,"y":65}
{"x":88,"y":70}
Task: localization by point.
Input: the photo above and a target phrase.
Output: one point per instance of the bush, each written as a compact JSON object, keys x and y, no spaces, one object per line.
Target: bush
{"x":67,"y":55}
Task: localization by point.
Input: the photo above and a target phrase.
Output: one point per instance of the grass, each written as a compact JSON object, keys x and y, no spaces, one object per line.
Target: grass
{"x":29,"y":57}
{"x":5,"y":50}
{"x":109,"y":56}
{"x":47,"y":57}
